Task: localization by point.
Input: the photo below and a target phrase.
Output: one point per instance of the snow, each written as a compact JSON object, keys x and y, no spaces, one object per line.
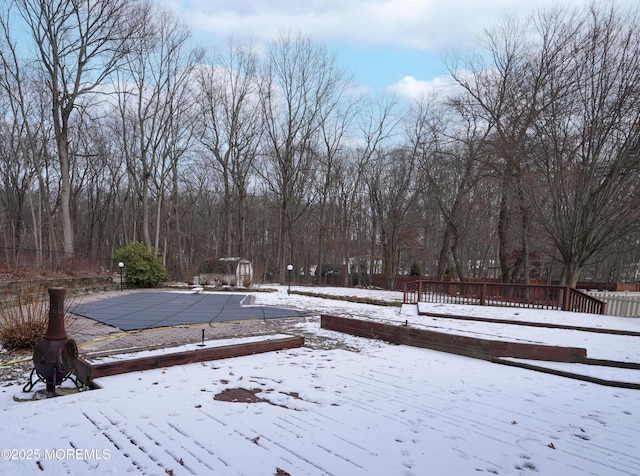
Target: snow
{"x":360,"y":407}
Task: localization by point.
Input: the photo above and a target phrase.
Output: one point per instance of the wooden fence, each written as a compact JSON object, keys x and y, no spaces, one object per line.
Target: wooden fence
{"x":535,"y":296}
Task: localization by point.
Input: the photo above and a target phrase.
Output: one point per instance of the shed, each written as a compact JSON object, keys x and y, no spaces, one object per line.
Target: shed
{"x":234,"y":272}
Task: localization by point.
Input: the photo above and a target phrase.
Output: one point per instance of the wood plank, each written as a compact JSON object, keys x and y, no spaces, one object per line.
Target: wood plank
{"x":478,"y":348}
{"x":87,"y":371}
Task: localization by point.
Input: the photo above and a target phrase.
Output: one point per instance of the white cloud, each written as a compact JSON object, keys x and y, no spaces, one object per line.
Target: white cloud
{"x":428,"y":25}
{"x":356,"y":90}
{"x":377,"y":28}
{"x":414,"y":89}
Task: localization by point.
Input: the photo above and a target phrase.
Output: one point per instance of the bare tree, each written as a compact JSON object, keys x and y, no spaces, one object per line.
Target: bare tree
{"x":588,"y":153}
{"x":376,"y":124}
{"x":231,"y":131}
{"x":302,"y":81}
{"x":334,"y":135}
{"x":510,"y":92}
{"x":99,"y":172}
{"x":450,"y":146}
{"x":27,"y":142}
{"x":78,"y":43}
{"x":153,"y":101}
{"x":561,"y":97}
{"x":392,"y":186}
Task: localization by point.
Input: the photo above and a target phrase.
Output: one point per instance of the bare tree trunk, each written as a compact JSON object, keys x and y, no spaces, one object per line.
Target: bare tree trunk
{"x":503,"y":233}
{"x":445,"y":263}
{"x":61,"y":127}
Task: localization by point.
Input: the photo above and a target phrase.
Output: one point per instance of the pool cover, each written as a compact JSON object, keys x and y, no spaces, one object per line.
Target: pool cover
{"x":148,"y":310}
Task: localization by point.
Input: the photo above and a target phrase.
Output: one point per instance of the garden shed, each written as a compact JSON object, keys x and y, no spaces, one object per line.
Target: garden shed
{"x":235,"y":272}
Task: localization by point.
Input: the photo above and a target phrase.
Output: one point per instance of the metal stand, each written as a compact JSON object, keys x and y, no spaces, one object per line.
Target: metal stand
{"x":50,"y":385}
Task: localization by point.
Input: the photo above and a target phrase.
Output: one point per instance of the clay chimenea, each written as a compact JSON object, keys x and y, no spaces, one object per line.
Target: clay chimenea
{"x":55,"y":355}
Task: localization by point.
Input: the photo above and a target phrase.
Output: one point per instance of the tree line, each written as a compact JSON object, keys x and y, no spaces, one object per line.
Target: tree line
{"x":115,"y":127}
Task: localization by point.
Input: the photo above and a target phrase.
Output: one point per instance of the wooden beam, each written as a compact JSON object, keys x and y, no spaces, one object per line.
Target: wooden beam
{"x":87,"y":371}
{"x":478,"y":348}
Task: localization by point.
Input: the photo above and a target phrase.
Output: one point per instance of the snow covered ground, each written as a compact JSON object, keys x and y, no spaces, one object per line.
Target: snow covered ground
{"x":356,"y":407}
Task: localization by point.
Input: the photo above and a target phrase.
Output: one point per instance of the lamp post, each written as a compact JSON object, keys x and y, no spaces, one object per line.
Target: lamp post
{"x":121,"y":266}
{"x":289,"y":269}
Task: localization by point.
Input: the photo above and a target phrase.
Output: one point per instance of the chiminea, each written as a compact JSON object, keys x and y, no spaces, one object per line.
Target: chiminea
{"x":55,"y":355}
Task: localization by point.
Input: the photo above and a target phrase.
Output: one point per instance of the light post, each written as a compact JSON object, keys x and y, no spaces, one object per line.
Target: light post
{"x":289,"y":269}
{"x":121,"y":266}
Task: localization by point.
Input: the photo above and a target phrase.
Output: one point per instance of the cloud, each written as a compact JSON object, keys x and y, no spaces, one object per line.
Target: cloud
{"x":426,"y":25}
{"x":414,"y":89}
{"x":380,"y":40}
{"x":400,"y":23}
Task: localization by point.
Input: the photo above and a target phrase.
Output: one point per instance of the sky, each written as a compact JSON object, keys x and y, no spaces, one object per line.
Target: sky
{"x":387,"y":45}
{"x":346,"y":405}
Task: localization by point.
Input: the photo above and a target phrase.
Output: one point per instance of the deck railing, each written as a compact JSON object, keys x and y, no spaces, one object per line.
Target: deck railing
{"x":534,"y":296}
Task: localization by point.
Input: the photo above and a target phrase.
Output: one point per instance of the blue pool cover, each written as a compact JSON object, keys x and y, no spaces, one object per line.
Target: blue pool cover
{"x":146,"y":310}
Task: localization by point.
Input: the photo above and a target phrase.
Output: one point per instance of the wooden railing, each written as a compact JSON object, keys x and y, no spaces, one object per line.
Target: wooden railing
{"x":533,"y":296}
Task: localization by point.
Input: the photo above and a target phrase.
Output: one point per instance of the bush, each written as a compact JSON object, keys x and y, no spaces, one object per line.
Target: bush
{"x":142,"y":268}
{"x":24,"y":320}
{"x":24,"y":316}
{"x":416,"y":269}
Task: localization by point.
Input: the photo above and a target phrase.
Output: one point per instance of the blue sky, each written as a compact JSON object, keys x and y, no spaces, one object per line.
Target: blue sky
{"x":385,"y":44}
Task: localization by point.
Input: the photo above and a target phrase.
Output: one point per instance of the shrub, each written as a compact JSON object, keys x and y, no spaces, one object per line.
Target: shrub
{"x":416,"y":269}
{"x":24,"y":318}
{"x":141,"y":267}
